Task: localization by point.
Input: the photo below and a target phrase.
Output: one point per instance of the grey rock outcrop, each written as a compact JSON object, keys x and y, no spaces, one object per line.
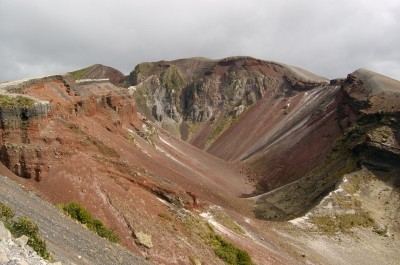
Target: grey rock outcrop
{"x":180,"y":95}
{"x":22,"y":240}
{"x":16,"y":251}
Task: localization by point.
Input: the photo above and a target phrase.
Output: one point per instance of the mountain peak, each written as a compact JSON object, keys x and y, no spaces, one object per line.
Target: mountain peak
{"x":98,"y":71}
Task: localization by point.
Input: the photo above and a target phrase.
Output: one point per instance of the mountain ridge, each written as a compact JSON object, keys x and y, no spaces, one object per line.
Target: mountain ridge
{"x":271,"y":143}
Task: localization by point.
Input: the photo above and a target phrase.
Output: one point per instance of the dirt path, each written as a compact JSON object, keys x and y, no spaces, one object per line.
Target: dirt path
{"x":68,"y":241}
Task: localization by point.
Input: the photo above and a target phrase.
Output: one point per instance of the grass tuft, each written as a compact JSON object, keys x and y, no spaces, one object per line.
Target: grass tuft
{"x":18,"y":101}
{"x":335,"y":223}
{"x":228,"y":252}
{"x":78,"y":212}
{"x":78,"y":74}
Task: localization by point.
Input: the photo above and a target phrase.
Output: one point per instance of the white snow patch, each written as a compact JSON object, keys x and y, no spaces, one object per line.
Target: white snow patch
{"x":313,"y":96}
{"x":145,"y":152}
{"x":339,"y":190}
{"x":167,"y":143}
{"x":209,"y":218}
{"x":132,"y":88}
{"x":299,"y":221}
{"x":92,"y":80}
{"x":169,"y":156}
{"x":163,"y":201}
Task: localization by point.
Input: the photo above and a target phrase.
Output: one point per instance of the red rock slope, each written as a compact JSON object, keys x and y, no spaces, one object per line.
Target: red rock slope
{"x":256,"y":122}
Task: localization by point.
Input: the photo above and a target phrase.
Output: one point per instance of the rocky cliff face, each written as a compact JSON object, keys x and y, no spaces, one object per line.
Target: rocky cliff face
{"x":198,"y":99}
{"x":92,"y":146}
{"x":22,"y":138}
{"x":269,"y":115}
{"x":368,"y":113}
{"x":371,"y":111}
{"x":20,"y":122}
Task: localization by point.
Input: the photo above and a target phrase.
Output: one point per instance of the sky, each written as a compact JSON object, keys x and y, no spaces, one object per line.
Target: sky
{"x":328,"y":37}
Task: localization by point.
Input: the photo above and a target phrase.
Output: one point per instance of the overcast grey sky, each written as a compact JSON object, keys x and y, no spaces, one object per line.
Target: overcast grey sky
{"x":328,"y":37}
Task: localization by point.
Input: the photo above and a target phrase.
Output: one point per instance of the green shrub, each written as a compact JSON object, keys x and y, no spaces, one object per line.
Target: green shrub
{"x":102,"y":231}
{"x":131,"y":139}
{"x":224,"y":219}
{"x":78,"y":212}
{"x":24,"y":226}
{"x":6,"y":214}
{"x":228,"y":252}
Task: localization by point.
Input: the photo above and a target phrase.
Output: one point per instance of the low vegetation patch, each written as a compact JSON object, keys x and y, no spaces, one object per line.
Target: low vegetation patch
{"x":79,"y":74}
{"x":219,"y":129}
{"x":24,"y":226}
{"x":165,"y":216}
{"x":228,"y":252}
{"x":78,"y":212}
{"x":141,"y":95}
{"x":131,"y":139}
{"x":18,"y":101}
{"x":172,"y":79}
{"x":224,"y":250}
{"x":226,"y":221}
{"x":334,"y":223}
{"x":6,"y":214}
{"x":149,"y":135}
{"x":104,"y":149}
{"x":347,"y":202}
{"x":227,"y":121}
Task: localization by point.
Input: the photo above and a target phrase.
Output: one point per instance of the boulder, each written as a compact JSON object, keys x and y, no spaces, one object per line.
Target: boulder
{"x":4,"y":233}
{"x":144,"y":239}
{"x":22,"y":240}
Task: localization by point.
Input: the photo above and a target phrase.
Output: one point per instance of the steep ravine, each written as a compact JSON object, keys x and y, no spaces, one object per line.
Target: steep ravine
{"x":238,"y":108}
{"x":198,"y":98}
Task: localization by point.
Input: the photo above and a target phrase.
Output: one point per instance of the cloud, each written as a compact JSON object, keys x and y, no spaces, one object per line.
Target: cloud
{"x":330,"y":38}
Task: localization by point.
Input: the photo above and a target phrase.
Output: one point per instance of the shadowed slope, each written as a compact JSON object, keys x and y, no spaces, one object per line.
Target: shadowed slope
{"x":369,"y":114}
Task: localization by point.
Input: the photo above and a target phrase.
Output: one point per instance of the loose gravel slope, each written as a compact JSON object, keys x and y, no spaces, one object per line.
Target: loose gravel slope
{"x":68,"y":241}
